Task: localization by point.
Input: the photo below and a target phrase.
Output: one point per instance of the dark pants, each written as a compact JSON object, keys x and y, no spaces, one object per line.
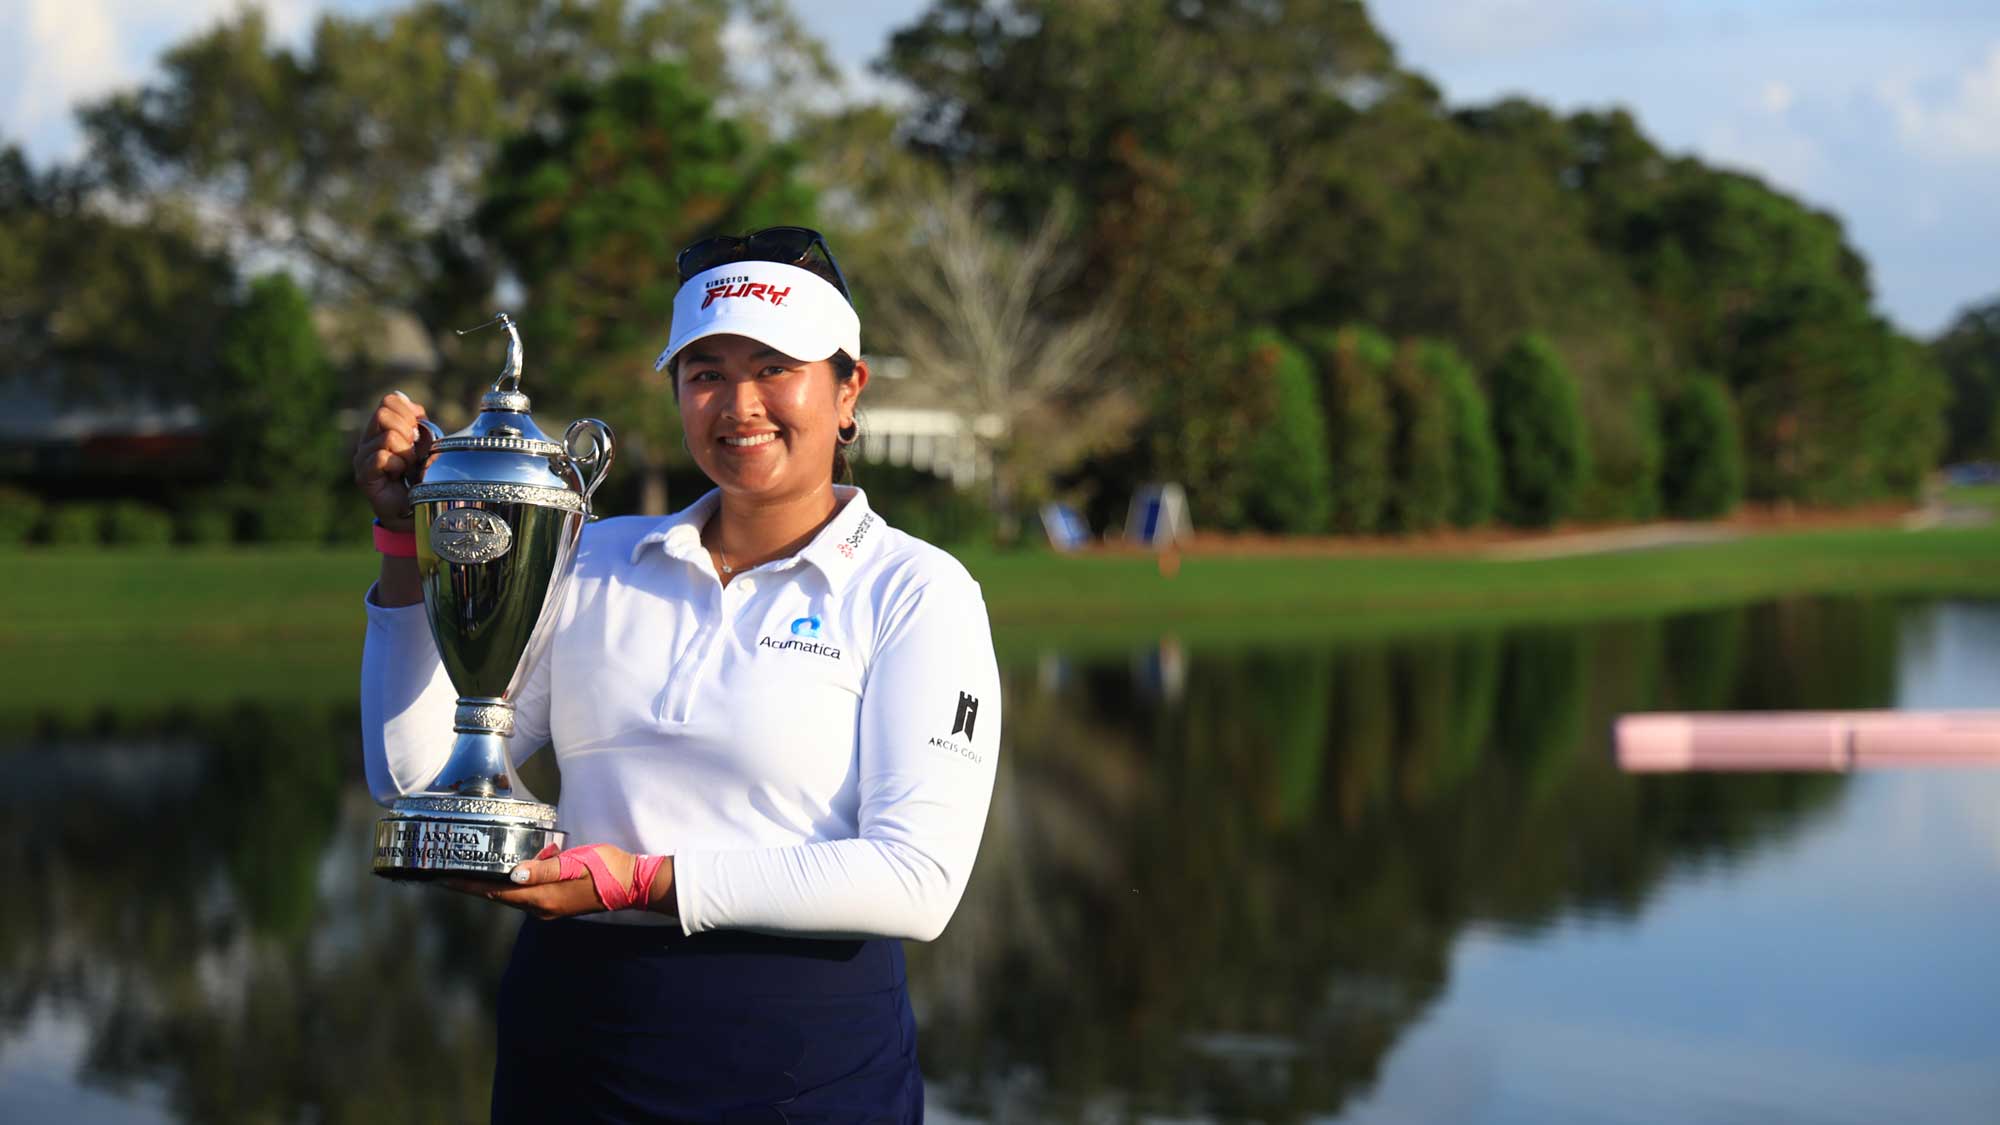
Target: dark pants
{"x":606,"y":1023}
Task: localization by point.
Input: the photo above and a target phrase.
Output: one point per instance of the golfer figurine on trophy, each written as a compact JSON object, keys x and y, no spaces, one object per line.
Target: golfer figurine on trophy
{"x":498,"y":514}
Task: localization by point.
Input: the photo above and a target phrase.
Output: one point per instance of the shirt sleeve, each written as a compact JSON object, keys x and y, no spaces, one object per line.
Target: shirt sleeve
{"x":407,"y":703}
{"x":929,"y":745}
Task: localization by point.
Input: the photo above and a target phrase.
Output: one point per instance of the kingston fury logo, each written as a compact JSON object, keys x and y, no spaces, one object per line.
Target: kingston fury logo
{"x":732,"y":287}
{"x":968,"y":713}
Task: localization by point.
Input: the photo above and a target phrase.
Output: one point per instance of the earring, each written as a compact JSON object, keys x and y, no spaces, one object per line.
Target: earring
{"x":848,"y":434}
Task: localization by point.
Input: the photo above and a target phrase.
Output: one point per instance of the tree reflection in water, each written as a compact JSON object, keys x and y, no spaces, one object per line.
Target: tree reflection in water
{"x":1217,"y":882}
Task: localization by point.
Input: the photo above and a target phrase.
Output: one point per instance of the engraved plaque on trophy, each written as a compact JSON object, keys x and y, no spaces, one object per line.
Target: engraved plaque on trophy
{"x":498,"y":514}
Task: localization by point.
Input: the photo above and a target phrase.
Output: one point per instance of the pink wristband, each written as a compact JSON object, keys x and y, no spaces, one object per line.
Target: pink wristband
{"x":395,"y":544}
{"x":576,"y":862}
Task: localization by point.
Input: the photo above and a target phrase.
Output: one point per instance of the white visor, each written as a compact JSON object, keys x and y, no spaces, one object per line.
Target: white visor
{"x":784,"y":307}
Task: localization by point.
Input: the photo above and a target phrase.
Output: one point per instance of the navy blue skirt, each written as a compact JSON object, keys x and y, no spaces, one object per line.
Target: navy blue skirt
{"x":605,"y":1023}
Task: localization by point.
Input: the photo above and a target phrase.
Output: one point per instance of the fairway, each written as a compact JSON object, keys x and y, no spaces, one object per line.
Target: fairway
{"x":272,"y":596}
{"x":150,"y":627}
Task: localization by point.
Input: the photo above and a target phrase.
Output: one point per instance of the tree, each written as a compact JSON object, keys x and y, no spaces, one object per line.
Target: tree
{"x":1290,"y":485}
{"x":1538,"y":429}
{"x":1909,"y":397}
{"x":1969,"y":354}
{"x":1701,"y":472}
{"x":1624,"y":441}
{"x":1354,"y":367}
{"x":992,"y":323}
{"x":1181,"y":133}
{"x":589,"y":208}
{"x":1475,"y":462}
{"x":1420,"y":452}
{"x":360,"y":159}
{"x":269,"y":406}
{"x":95,"y":305}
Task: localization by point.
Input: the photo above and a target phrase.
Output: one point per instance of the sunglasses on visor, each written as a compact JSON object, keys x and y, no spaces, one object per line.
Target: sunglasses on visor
{"x":784,"y":245}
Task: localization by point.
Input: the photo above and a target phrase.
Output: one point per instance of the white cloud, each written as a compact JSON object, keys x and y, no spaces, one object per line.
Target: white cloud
{"x":1777,"y":97}
{"x":1770,"y":149}
{"x":1962,"y":124}
{"x":1487,"y":29}
{"x":65,"y":52}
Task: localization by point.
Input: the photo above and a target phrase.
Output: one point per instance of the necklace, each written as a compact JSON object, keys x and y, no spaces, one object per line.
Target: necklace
{"x":722,"y":562}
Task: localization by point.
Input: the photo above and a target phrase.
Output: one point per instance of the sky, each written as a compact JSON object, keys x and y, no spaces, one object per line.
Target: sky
{"x":1884,"y":112}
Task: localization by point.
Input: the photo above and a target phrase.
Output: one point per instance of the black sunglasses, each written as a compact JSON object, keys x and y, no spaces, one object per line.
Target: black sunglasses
{"x":786,"y":245}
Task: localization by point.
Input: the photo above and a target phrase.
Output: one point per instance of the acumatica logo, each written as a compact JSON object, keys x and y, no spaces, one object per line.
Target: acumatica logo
{"x":804,"y":638}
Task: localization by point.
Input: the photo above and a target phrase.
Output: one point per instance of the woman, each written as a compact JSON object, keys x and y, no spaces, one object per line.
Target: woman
{"x":777,"y":721}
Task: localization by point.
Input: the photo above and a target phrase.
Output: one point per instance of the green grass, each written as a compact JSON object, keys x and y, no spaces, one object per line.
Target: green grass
{"x":1278,"y":597}
{"x":152,"y":627}
{"x":1972,"y":496}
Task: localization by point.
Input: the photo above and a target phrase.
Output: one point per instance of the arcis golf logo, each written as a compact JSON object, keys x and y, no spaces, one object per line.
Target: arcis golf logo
{"x":962,"y":723}
{"x":968,"y":713}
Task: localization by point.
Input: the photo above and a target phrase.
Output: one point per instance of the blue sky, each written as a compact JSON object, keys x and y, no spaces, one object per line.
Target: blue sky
{"x":1885,"y":112}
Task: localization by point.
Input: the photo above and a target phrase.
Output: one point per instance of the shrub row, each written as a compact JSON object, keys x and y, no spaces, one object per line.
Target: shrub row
{"x":1357,"y":434}
{"x":214,"y":519}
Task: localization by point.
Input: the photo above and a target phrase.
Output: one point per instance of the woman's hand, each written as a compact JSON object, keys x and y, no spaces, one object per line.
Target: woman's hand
{"x":544,"y":893}
{"x":390,"y":446}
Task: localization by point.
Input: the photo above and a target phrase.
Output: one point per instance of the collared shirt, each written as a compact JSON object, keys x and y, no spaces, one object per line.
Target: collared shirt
{"x":814,"y":743}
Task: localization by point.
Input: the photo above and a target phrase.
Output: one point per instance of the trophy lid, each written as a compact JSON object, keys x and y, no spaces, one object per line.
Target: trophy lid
{"x":504,"y":448}
{"x":503,"y":424}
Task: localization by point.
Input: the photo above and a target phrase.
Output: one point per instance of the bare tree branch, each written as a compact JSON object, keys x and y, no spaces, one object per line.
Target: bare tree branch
{"x":995,"y":324}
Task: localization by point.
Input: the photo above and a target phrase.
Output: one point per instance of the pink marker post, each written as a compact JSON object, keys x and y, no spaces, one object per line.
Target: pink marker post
{"x":1805,"y":740}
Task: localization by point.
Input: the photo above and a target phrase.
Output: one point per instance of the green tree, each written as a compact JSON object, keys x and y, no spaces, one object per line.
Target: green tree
{"x":1701,"y":474}
{"x":1290,"y":486}
{"x":589,"y":208}
{"x":1624,"y":442}
{"x":95,"y":304}
{"x":1768,"y":294}
{"x":1969,"y":354}
{"x":1354,"y":365}
{"x":1475,"y":461}
{"x":269,"y":407}
{"x":1420,"y":455}
{"x":1910,"y":393}
{"x":361,"y":157}
{"x":1538,"y":429}
{"x":1180,"y":132}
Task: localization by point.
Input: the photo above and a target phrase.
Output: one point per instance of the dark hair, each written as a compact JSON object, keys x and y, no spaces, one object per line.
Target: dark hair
{"x":843,"y":370}
{"x":843,"y":364}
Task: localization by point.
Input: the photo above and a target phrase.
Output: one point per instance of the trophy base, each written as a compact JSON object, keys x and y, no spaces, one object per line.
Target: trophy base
{"x":430,"y":837}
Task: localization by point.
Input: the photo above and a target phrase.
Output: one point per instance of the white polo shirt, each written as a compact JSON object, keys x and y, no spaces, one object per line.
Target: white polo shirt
{"x":814,"y":743}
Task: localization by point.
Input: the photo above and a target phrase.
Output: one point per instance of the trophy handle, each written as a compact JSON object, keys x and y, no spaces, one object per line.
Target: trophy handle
{"x":591,"y":467}
{"x":415,"y":474}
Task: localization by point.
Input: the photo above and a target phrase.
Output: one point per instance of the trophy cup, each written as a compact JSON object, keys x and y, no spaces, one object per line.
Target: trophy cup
{"x":498,"y":515}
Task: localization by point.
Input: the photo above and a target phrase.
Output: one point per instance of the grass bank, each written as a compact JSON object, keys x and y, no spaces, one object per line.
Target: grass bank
{"x":155,"y":626}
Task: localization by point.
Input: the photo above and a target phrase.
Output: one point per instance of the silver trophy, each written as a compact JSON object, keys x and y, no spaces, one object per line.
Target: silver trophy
{"x":498,"y":514}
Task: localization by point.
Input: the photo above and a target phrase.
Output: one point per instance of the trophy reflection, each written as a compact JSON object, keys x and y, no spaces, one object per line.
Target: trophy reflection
{"x":498,"y":514}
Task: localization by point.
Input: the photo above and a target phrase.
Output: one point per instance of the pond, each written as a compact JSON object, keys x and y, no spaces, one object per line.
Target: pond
{"x":1362,"y":881}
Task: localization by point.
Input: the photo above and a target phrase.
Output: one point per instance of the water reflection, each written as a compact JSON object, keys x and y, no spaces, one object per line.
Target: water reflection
{"x":1217,"y":882}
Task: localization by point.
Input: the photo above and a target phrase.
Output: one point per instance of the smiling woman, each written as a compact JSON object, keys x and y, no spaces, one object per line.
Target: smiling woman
{"x":751,"y":703}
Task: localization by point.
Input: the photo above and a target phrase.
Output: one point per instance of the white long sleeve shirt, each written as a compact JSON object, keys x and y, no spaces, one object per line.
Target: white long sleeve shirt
{"x":814,"y":743}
